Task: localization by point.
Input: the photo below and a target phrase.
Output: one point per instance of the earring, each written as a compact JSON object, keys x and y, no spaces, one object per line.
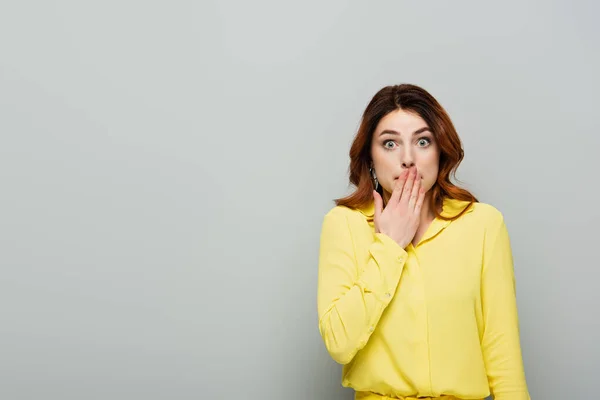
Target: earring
{"x":375,"y":181}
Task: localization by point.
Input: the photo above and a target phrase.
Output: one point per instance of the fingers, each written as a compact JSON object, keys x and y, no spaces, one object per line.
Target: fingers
{"x":408,"y":186}
{"x":398,"y":188}
{"x":378,"y":204}
{"x":420,"y":199}
{"x":414,"y":195}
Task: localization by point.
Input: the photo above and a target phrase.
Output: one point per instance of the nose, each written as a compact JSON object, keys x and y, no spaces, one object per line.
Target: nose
{"x":408,"y":159}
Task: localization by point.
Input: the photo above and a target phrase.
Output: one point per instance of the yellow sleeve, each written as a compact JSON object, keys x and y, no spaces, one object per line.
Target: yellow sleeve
{"x":352,"y":294}
{"x":501,"y":344}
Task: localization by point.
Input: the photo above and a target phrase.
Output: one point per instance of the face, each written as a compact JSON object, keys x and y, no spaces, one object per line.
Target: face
{"x":403,"y":140}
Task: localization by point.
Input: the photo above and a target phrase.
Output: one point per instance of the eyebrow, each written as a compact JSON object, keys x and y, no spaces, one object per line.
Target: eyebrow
{"x":393,"y":132}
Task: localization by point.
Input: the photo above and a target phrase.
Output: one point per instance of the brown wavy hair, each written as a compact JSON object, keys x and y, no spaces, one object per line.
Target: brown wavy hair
{"x":415,"y":99}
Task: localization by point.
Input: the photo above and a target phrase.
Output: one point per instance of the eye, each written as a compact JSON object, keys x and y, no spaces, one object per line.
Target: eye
{"x":389,"y":144}
{"x":423,"y":142}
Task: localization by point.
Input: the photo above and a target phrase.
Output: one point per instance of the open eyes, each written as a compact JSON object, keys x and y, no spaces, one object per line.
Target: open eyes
{"x":389,"y":144}
{"x":422,"y":142}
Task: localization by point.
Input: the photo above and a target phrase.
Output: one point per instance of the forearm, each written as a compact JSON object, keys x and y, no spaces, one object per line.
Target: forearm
{"x":351,"y":315}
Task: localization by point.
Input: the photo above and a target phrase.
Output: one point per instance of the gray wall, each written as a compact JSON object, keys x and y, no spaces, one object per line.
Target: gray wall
{"x":165,"y":167}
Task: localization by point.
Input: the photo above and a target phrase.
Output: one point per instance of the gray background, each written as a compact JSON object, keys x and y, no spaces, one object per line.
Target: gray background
{"x":165,"y":167}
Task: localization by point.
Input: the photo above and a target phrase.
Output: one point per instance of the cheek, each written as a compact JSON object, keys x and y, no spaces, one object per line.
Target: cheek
{"x":429,"y":167}
{"x":383,"y":160}
{"x":432,"y":159}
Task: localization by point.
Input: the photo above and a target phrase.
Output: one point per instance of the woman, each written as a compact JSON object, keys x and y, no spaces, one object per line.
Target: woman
{"x":416,"y":291}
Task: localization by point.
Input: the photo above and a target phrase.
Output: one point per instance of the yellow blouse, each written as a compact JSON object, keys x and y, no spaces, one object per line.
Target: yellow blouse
{"x":439,"y":318}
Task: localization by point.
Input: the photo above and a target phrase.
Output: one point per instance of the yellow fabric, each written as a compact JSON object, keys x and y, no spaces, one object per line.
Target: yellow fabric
{"x":439,"y":318}
{"x":372,"y":396}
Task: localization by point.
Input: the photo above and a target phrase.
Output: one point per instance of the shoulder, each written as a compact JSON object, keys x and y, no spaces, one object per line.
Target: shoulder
{"x":347,"y":213}
{"x":477,"y":211}
{"x":489,"y":216}
{"x":342,"y":224}
{"x":487,"y":211}
{"x":475,"y":215}
{"x":351,"y":218}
